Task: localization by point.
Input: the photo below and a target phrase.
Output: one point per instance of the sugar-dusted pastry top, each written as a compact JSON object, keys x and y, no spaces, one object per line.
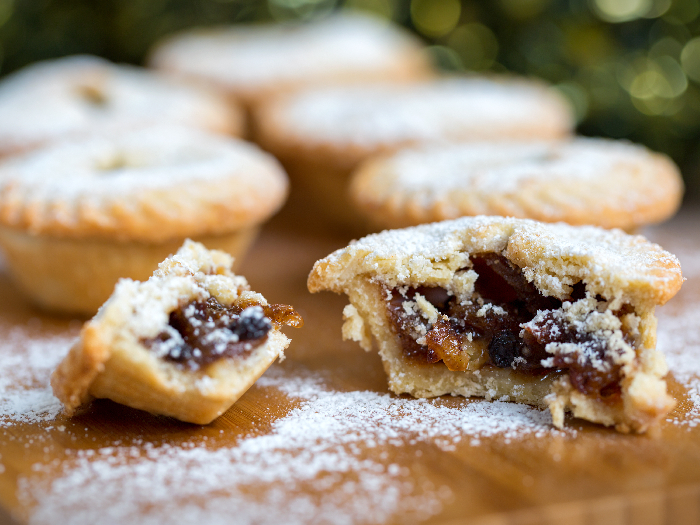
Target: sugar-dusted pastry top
{"x":152,"y":184}
{"x":244,"y":59}
{"x":370,"y":117}
{"x":85,"y":94}
{"x":579,"y":181}
{"x":622,"y":268}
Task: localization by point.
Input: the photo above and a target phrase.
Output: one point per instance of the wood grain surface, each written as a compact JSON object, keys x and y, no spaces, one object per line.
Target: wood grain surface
{"x":80,"y":470}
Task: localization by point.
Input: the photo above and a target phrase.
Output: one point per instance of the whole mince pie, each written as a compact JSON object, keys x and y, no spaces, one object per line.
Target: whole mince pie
{"x":551,"y":315}
{"x":76,"y":216}
{"x":186,"y":343}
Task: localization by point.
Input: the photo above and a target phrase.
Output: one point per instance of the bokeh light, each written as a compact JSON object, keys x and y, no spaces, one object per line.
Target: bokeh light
{"x":690,"y":59}
{"x":6,"y":9}
{"x":523,"y":9}
{"x":475,"y":45}
{"x":299,"y":9}
{"x":382,"y":8}
{"x":631,"y":68}
{"x":435,"y":18}
{"x":621,"y":10}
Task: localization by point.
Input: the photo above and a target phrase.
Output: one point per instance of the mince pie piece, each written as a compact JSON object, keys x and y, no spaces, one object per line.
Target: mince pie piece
{"x":321,"y":135}
{"x":186,"y":343}
{"x":78,"y":215}
{"x":512,"y":309}
{"x":607,"y":183}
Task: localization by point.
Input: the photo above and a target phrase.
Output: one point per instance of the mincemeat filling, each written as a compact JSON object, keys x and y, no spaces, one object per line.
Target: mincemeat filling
{"x":202,"y":332}
{"x":492,"y":326}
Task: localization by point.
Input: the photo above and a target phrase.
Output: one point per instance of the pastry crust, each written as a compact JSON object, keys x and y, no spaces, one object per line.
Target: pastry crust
{"x":253,"y":63}
{"x":77,"y":275}
{"x":76,"y":216}
{"x":612,"y":184}
{"x":621,"y":273}
{"x":81,"y":95}
{"x":152,"y":185}
{"x":321,"y":135}
{"x":110,"y":360}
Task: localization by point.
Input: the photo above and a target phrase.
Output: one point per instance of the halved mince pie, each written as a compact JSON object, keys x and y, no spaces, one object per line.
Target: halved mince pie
{"x":186,"y":343}
{"x":512,"y":309}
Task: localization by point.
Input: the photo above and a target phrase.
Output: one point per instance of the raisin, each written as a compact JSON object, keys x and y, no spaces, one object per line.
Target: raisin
{"x":210,"y":330}
{"x":251,"y":324}
{"x":504,"y":348}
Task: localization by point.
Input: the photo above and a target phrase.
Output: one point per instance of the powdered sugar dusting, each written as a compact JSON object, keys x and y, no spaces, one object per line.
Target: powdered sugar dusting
{"x":492,"y":167}
{"x":383,"y":418}
{"x":678,"y":332}
{"x":26,"y":364}
{"x":107,"y":165}
{"x":321,"y":446}
{"x":678,"y":337}
{"x":246,"y":57}
{"x":76,"y":95}
{"x":550,"y":254}
{"x":472,"y":108}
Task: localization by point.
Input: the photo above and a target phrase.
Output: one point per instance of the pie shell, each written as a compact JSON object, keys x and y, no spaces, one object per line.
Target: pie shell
{"x":78,"y":275}
{"x":623,"y":269}
{"x":110,"y":361}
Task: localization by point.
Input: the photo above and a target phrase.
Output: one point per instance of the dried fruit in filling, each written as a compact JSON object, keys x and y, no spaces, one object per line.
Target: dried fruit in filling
{"x":201,"y":332}
{"x":506,"y":323}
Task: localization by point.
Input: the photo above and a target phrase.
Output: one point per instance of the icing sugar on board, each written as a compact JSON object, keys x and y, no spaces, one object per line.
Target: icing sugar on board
{"x":319,"y":438}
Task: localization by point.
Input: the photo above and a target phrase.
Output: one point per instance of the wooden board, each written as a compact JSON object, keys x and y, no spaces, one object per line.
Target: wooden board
{"x":319,"y":439}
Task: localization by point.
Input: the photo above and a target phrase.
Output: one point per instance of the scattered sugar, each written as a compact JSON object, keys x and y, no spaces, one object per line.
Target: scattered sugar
{"x":678,"y":337}
{"x":384,"y":417}
{"x":312,"y":466}
{"x":26,"y":364}
{"x":678,"y":332}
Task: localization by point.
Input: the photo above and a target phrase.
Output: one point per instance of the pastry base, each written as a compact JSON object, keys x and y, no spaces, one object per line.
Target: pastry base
{"x":137,"y":378}
{"x":77,"y":276}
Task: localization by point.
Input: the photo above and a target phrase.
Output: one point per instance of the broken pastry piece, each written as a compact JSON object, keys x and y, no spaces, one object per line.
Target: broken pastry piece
{"x":550,"y":315}
{"x":186,"y":343}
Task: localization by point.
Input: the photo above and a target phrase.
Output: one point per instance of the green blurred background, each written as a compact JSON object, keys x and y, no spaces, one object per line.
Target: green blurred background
{"x":630,"y":67}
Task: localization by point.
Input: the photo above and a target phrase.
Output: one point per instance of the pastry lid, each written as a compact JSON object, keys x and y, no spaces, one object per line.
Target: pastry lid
{"x":618,"y":266}
{"x":151,"y":185}
{"x":579,"y":181}
{"x":363,"y":119}
{"x":247,"y":59}
{"x":83,"y":94}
